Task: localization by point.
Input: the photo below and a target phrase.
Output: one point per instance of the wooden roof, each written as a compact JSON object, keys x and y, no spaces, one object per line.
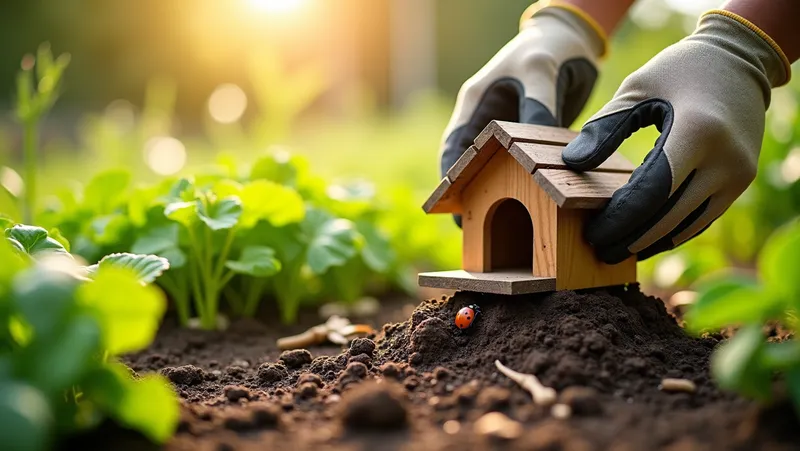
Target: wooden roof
{"x":538,"y":149}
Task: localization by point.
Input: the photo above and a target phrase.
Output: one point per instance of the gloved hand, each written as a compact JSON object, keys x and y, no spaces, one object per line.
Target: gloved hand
{"x":707,"y":95}
{"x":543,"y":76}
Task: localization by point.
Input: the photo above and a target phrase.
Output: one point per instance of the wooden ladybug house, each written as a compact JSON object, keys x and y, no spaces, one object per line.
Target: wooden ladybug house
{"x":523,"y":214}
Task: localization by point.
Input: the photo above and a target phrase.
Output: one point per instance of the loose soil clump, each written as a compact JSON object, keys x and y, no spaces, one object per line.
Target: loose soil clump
{"x":423,"y":383}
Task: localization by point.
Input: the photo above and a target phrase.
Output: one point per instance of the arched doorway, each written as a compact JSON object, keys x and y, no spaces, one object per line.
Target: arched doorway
{"x":509,"y":236}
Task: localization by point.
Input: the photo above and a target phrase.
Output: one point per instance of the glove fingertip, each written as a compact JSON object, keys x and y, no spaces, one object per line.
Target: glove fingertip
{"x":585,"y":152}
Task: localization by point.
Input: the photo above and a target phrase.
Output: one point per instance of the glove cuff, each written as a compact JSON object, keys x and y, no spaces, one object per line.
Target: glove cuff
{"x":778,"y":76}
{"x":583,"y":19}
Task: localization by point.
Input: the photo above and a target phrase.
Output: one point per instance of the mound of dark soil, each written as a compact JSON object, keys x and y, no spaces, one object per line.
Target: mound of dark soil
{"x":425,"y":384}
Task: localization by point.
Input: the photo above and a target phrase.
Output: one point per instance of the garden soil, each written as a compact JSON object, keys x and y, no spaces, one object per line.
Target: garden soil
{"x":421,"y":383}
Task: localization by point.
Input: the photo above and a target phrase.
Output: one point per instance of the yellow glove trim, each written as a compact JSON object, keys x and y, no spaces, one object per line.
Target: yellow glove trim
{"x":542,"y":4}
{"x":787,"y":65}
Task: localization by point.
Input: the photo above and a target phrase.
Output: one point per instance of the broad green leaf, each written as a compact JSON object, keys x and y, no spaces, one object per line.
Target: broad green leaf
{"x":182,"y":212}
{"x":109,"y":229}
{"x":151,"y":407}
{"x":730,"y":301}
{"x":279,"y":168}
{"x":180,"y":191}
{"x":106,"y":190}
{"x":129,"y":312}
{"x":44,"y":298}
{"x":148,"y":405}
{"x":161,"y":241}
{"x":16,"y":245}
{"x":332,"y":241}
{"x":35,"y":241}
{"x":377,"y":251}
{"x":56,"y":235}
{"x":736,"y":365}
{"x":265,"y":200}
{"x":146,"y":267}
{"x":257,"y":261}
{"x":27,"y":419}
{"x":220,"y":214}
{"x":227,"y":187}
{"x":62,"y":360}
{"x":779,"y":262}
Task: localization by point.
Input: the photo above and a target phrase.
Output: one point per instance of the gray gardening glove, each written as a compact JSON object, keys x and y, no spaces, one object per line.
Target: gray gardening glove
{"x":543,"y":76}
{"x":707,"y":95}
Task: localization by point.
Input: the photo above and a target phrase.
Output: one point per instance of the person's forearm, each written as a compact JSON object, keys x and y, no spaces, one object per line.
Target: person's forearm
{"x":776,"y":18}
{"x":608,"y":14}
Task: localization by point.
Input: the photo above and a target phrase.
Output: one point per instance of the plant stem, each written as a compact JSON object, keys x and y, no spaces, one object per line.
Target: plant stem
{"x":29,"y":146}
{"x":178,"y":293}
{"x":254,"y":290}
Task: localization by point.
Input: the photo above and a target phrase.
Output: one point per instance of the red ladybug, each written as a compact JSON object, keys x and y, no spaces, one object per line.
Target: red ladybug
{"x":466,"y":316}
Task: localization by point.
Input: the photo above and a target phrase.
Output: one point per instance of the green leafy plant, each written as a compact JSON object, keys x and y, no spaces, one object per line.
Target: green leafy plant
{"x":748,"y":362}
{"x":38,"y":85}
{"x":277,"y":232}
{"x":59,"y":335}
{"x":36,"y":243}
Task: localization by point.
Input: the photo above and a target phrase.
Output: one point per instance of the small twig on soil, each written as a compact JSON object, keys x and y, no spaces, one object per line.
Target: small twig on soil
{"x":677,"y":385}
{"x":337,"y":330}
{"x":543,"y":396}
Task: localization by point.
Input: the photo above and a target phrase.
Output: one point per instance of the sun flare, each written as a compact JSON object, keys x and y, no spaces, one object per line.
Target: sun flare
{"x":277,"y":6}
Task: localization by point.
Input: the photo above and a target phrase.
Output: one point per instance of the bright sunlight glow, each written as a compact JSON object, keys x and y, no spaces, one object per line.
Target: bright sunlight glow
{"x":277,"y":6}
{"x":227,"y":103}
{"x":165,"y":155}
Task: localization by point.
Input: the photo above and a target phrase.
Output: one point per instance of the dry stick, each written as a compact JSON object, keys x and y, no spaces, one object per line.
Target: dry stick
{"x":543,"y":396}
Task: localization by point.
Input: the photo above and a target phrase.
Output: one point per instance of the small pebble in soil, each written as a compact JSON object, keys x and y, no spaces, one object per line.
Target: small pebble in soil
{"x":451,"y":427}
{"x":184,"y":375}
{"x":236,"y":392}
{"x":361,"y":358}
{"x":582,"y":400}
{"x":493,"y":398}
{"x":362,"y":346}
{"x":271,"y":372}
{"x":391,"y":370}
{"x":307,"y":390}
{"x":677,"y":385}
{"x":235,"y":371}
{"x":561,"y":411}
{"x":441,"y":373}
{"x":373,"y":406}
{"x":295,"y":358}
{"x":497,"y":425}
{"x":310,"y":378}
{"x":355,"y":372}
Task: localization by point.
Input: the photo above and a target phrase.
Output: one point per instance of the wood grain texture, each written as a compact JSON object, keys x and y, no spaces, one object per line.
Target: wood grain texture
{"x":503,"y":178}
{"x":466,"y":158}
{"x":510,"y":132}
{"x":506,"y":282}
{"x":534,"y":156}
{"x":578,"y":267}
{"x":589,"y":190}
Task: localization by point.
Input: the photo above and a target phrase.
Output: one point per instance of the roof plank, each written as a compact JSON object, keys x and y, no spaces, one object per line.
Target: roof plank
{"x":544,"y":156}
{"x":510,"y":132}
{"x":590,"y":190}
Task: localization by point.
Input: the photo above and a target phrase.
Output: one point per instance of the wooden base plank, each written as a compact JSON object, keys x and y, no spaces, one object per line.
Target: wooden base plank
{"x":500,"y":282}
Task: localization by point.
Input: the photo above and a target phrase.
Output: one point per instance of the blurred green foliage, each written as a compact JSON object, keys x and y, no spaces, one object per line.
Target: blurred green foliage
{"x":59,"y":336}
{"x":747,"y":363}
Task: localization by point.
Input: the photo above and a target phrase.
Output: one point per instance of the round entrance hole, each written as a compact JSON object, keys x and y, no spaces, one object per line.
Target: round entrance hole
{"x":510,"y":237}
